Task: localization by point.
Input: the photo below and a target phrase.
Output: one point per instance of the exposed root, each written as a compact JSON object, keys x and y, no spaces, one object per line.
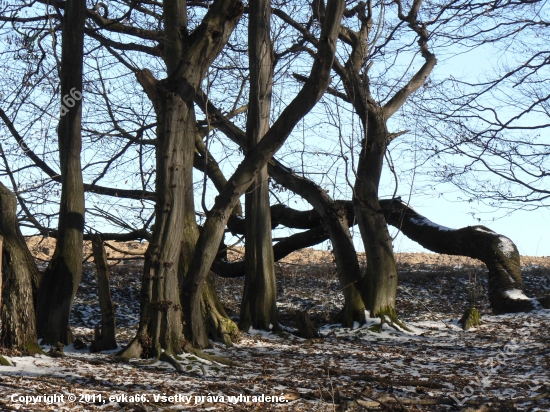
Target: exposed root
{"x":389,"y":316}
{"x":212,"y":358}
{"x":167,"y":358}
{"x":219,"y":325}
{"x":133,"y":350}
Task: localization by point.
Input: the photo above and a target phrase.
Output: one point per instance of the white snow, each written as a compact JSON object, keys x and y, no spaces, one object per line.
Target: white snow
{"x":485,"y":231}
{"x":422,"y":221}
{"x":516,"y":294}
{"x":506,"y":246}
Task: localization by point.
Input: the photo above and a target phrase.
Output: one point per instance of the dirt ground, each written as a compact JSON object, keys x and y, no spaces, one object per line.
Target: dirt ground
{"x":501,"y":365}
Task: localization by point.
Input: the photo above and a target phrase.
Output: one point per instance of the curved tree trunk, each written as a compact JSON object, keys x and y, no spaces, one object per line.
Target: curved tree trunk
{"x":379,"y":286}
{"x":259,"y":302}
{"x":344,"y":251}
{"x":61,"y":279}
{"x":18,"y":274}
{"x":499,"y":253}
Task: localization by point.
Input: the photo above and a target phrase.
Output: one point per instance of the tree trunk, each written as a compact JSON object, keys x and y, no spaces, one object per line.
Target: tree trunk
{"x":379,"y":287}
{"x":105,"y":338}
{"x":499,"y":253}
{"x":255,"y":160}
{"x":172,"y":243}
{"x":259,"y":303}
{"x":18,"y":270}
{"x":62,"y":277}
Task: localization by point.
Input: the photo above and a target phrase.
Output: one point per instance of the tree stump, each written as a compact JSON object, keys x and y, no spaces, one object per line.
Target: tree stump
{"x":470,"y":318}
{"x":305,"y":327}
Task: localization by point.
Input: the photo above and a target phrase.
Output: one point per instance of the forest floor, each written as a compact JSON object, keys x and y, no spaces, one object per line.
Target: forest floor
{"x":502,"y":365}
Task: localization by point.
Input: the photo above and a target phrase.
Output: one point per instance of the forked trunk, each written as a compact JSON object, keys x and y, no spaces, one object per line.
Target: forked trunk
{"x":187,"y":59}
{"x":213,"y":229}
{"x":62,"y":277}
{"x":18,"y":270}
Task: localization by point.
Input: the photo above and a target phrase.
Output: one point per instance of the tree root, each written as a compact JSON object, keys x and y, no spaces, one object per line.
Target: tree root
{"x":212,"y":358}
{"x":171,"y":360}
{"x":133,"y":350}
{"x":389,"y":316}
{"x":219,"y":325}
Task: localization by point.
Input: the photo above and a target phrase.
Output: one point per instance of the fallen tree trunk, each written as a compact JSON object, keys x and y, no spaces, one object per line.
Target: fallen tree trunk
{"x":499,"y":253}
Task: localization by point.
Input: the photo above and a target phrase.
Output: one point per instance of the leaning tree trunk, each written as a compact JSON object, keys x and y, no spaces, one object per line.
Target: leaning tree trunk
{"x":499,"y":254}
{"x":334,"y":217}
{"x":380,"y":282}
{"x":259,"y":303}
{"x":62,"y":277}
{"x":18,"y":274}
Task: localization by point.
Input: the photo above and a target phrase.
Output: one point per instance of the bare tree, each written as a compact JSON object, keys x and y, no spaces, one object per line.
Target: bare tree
{"x":259,"y":307}
{"x":62,"y":277}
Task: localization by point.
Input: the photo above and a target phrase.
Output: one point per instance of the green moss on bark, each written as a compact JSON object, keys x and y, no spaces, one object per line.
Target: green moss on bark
{"x":470,"y":318}
{"x":389,"y":315}
{"x":4,"y":361}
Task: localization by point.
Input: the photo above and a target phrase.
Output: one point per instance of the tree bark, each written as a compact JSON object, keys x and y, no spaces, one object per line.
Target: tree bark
{"x":172,"y":243}
{"x":379,"y":287}
{"x":105,"y":338}
{"x":259,"y":302}
{"x":18,"y":274}
{"x":499,"y":254}
{"x":62,"y":277}
{"x":255,"y":160}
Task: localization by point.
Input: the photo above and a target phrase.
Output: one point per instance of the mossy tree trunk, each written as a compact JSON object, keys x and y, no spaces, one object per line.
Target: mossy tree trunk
{"x":259,"y":302}
{"x":499,"y":253}
{"x":18,"y":274}
{"x":62,"y":277}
